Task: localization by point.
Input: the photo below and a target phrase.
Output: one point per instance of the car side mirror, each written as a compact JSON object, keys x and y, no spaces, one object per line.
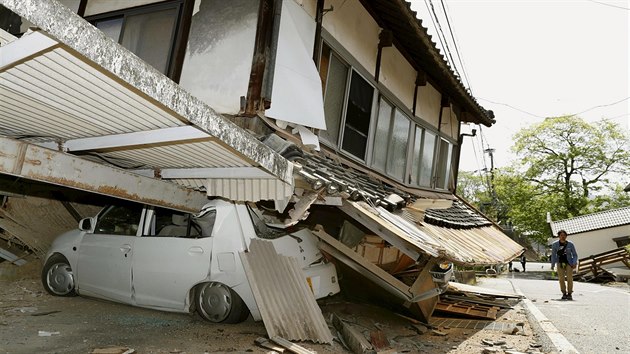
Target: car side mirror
{"x":85,"y":224}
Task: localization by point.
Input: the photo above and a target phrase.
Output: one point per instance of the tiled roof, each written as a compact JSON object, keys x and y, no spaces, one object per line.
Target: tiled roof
{"x":359,"y":186}
{"x":596,"y":221}
{"x":457,"y":216}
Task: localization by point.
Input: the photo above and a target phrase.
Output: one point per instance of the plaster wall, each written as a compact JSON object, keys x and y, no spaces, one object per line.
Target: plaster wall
{"x":428,"y":104}
{"x":398,"y":75}
{"x":598,"y":241}
{"x":450,"y":124}
{"x":353,"y":27}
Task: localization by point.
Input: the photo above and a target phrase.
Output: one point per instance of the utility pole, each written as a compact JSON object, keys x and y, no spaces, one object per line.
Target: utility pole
{"x":493,"y":194}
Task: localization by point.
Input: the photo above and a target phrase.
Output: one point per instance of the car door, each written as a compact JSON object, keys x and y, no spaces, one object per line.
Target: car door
{"x":169,"y":258}
{"x":105,"y":255}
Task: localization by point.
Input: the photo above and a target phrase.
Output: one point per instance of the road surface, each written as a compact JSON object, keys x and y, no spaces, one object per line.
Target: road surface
{"x":597,"y":321}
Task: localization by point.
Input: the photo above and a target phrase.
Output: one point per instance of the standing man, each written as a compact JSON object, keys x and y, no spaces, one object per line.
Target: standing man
{"x":523,"y":260}
{"x":564,"y":254}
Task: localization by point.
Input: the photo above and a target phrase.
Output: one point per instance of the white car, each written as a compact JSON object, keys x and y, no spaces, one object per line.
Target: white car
{"x":167,"y":260}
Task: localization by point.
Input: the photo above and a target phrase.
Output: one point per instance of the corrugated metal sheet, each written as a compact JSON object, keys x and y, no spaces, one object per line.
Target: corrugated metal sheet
{"x":248,"y":189}
{"x":5,"y":37}
{"x":286,"y":303}
{"x":596,"y":221}
{"x":474,"y":246}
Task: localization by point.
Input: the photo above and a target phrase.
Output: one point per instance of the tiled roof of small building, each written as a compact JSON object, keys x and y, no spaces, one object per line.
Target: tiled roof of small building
{"x":591,"y":222}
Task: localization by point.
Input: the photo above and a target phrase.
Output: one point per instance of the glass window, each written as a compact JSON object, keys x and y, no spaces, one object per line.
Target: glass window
{"x":148,"y":32}
{"x":417,"y":157}
{"x":334,"y":94}
{"x":111,"y":28}
{"x":426,"y":167}
{"x":397,"y":151}
{"x":381,"y":136}
{"x":150,"y":36}
{"x":444,"y":164}
{"x":119,"y":220}
{"x":358,"y":112}
{"x":171,"y":223}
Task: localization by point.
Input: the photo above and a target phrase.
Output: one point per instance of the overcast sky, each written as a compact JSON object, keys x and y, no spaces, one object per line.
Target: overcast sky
{"x":531,"y":59}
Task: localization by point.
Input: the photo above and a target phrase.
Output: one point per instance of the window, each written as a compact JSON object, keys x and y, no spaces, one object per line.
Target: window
{"x":357,"y":119}
{"x":119,"y":220}
{"x":417,"y":155}
{"x":444,"y":164}
{"x":170,"y":223}
{"x":426,"y":165}
{"x":334,"y":75}
{"x":381,"y":135}
{"x":622,"y":241}
{"x":147,"y":31}
{"x":389,"y":153}
{"x":397,"y":151}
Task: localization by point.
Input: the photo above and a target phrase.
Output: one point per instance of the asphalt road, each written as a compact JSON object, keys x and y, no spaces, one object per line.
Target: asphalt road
{"x":597,"y":321}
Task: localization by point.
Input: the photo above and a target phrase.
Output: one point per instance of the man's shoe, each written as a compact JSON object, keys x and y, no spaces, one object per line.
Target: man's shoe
{"x":565,"y":297}
{"x":569,"y":297}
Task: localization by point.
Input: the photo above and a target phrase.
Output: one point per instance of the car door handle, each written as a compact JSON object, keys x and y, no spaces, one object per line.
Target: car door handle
{"x":125,"y":249}
{"x":195,"y":250}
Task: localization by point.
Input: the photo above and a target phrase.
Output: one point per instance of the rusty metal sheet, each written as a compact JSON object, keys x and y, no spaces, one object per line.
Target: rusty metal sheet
{"x":474,"y":246}
{"x":45,"y":165}
{"x":286,"y":303}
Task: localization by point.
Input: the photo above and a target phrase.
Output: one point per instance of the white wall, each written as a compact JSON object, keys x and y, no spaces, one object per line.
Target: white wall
{"x":598,"y":241}
{"x":428,"y":104}
{"x":398,"y":75}
{"x":353,"y":27}
{"x":219,"y":52}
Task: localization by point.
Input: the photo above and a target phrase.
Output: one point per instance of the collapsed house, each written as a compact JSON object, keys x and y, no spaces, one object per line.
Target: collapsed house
{"x":341,"y":116}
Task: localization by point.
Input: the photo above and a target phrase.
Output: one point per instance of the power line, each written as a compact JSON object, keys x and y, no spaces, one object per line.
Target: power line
{"x":611,"y":5}
{"x":459,"y":57}
{"x":601,"y":106}
{"x":445,"y":46}
{"x":510,"y":106}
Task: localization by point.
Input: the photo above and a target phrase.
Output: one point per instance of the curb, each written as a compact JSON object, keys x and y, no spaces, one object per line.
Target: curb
{"x":558,"y":340}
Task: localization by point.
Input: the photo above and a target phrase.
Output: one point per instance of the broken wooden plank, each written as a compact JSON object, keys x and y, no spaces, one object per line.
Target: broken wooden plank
{"x":265,"y":343}
{"x":477,"y":300}
{"x":355,"y":341}
{"x":292,"y":347}
{"x":379,"y":340}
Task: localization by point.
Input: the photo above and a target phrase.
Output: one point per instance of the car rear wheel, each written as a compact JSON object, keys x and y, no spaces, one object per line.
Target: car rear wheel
{"x":217,"y":302}
{"x":57,"y":276}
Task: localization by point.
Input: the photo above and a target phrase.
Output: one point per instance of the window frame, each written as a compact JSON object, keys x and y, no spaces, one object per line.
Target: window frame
{"x":179,"y":36}
{"x":415,"y":121}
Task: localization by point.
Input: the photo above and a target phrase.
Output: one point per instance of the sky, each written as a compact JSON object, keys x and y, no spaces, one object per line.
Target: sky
{"x":530,"y":59}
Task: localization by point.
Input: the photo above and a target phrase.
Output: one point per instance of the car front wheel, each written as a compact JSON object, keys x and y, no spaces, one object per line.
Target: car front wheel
{"x":217,"y":303}
{"x":57,"y":276}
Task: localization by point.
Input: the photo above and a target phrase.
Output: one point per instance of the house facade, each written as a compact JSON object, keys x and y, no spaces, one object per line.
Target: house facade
{"x":344,"y":114}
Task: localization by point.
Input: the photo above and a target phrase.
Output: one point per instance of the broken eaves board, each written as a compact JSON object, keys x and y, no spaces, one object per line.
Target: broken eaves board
{"x":286,"y":303}
{"x":465,"y":288}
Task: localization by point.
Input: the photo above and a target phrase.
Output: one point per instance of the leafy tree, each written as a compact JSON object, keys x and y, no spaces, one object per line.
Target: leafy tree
{"x":566,"y":168}
{"x":574,"y":161}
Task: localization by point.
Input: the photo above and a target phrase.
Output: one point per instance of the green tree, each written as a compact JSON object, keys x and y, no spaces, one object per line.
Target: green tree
{"x":574,"y":161}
